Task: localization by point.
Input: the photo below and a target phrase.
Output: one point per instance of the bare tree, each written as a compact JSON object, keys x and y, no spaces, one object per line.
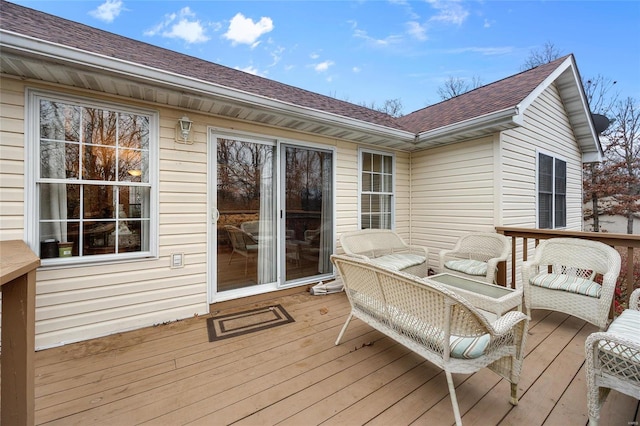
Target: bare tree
{"x":393,"y":107}
{"x":598,"y":188}
{"x":623,"y":151}
{"x":546,"y":54}
{"x":455,"y":86}
{"x":599,"y":94}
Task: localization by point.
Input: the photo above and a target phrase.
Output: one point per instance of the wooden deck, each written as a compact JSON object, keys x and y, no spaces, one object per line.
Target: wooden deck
{"x":293,"y":374}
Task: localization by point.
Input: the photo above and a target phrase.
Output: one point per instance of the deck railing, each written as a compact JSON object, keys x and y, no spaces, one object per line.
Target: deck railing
{"x":520,"y":244}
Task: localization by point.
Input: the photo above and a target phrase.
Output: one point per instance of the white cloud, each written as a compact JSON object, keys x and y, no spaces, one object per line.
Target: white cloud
{"x":108,"y":11}
{"x":182,"y":25}
{"x":244,"y":31}
{"x":249,"y":69}
{"x":276,"y":54}
{"x":356,"y":69}
{"x":323,"y":66}
{"x":450,"y":12}
{"x":416,"y":30}
{"x":377,"y":42}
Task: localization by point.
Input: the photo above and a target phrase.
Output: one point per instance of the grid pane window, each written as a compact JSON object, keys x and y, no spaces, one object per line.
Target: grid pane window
{"x":552,"y":197}
{"x":376,"y":193}
{"x":93,"y":184}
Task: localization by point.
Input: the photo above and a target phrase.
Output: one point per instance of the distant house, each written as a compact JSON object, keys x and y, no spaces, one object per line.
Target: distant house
{"x":138,"y":222}
{"x":614,"y":223}
{"x":611,"y":223}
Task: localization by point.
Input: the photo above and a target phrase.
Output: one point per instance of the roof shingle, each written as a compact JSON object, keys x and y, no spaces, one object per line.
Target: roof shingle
{"x":494,"y":97}
{"x":484,"y":100}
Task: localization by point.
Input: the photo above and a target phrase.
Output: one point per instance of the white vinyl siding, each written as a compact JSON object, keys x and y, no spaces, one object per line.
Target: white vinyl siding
{"x":547,"y":129}
{"x":347,"y":194}
{"x":78,"y":303}
{"x":453,"y":193}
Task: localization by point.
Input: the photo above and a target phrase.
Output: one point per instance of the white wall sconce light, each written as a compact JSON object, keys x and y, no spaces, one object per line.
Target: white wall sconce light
{"x":183,"y":129}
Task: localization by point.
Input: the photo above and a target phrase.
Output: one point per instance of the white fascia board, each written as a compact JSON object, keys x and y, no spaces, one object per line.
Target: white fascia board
{"x":569,"y":65}
{"x":591,"y":157}
{"x":526,"y":102}
{"x":57,"y":52}
{"x":505,"y":116}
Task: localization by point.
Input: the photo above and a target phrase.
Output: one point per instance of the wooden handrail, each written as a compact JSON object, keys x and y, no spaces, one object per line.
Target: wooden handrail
{"x":630,"y":241}
{"x":18,"y":284}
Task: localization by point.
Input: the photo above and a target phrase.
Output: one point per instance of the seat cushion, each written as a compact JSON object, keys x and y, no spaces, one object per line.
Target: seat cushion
{"x":460,"y":347}
{"x":398,"y":261}
{"x":625,"y":326}
{"x":567,"y":283}
{"x":469,"y":347}
{"x":468,"y":266}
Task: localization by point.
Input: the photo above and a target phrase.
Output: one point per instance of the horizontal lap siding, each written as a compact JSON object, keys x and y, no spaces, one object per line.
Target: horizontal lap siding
{"x":90,"y":301}
{"x":79,"y":302}
{"x":403,"y":196}
{"x":11,"y":160}
{"x":546,"y":128}
{"x":347,"y":190}
{"x":84,"y":301}
{"x":11,"y":163}
{"x":453,"y":193}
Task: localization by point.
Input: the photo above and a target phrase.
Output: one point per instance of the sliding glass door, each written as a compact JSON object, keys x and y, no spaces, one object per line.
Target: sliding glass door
{"x":246,"y":214}
{"x":273,"y":215}
{"x":308,"y":211}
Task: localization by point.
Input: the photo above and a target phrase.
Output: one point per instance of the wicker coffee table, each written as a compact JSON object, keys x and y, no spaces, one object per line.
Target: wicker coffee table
{"x":488,"y":297}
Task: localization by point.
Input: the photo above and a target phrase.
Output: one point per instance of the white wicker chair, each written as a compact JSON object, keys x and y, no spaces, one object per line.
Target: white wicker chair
{"x":386,"y":248}
{"x":242,"y":243}
{"x":476,"y":255}
{"x":434,"y":322}
{"x":564,"y":274}
{"x":613,"y":359}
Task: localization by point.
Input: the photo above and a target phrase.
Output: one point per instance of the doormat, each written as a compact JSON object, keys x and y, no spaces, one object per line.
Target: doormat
{"x":239,"y":323}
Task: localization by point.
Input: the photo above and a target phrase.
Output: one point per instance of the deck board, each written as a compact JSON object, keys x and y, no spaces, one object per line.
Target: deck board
{"x":294,"y":374}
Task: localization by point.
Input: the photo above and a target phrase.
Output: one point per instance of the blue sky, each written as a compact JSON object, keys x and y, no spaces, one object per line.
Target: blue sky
{"x":369,"y":51}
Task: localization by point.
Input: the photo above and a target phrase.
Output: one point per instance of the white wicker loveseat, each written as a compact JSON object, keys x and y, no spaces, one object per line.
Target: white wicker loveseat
{"x":433,"y":322}
{"x":613,"y":359}
{"x":564,"y":276}
{"x":476,"y":255}
{"x":387,"y":249}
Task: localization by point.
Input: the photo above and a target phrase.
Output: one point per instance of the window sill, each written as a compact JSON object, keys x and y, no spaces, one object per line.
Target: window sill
{"x":88,"y":261}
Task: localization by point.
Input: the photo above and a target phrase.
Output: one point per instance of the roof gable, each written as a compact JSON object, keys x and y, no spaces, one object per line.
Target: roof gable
{"x":501,"y":105}
{"x":495,"y":97}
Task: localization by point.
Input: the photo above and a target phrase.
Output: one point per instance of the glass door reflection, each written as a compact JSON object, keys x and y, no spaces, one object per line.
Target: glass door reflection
{"x":246,"y":227}
{"x":308,"y":212}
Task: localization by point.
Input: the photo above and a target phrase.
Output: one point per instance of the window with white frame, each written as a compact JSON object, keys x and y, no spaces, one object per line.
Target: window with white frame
{"x":552,"y":192}
{"x":94,"y":181}
{"x":376,"y":190}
